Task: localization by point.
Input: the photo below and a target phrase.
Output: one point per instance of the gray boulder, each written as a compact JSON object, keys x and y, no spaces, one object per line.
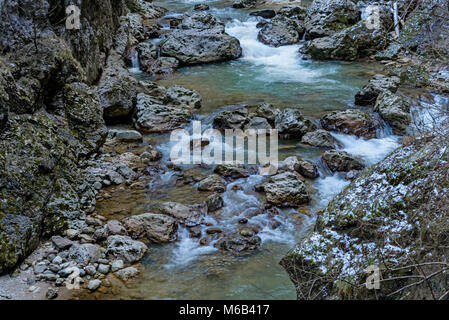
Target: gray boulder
{"x":212,"y":183}
{"x":341,"y":161}
{"x":152,"y":116}
{"x":281,"y":31}
{"x":154,"y":227}
{"x":286,"y":189}
{"x":180,"y":96}
{"x":234,"y":119}
{"x":84,"y":254}
{"x":349,"y":44}
{"x":126,"y":249}
{"x":319,"y":138}
{"x":368,"y":94}
{"x":326,"y":17}
{"x":394,"y":110}
{"x":351,"y":121}
{"x":290,"y":123}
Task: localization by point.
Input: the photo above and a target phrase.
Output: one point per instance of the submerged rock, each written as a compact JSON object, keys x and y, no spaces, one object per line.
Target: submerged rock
{"x":201,"y":38}
{"x":238,"y":245}
{"x":351,"y":121}
{"x":231,"y":171}
{"x":286,"y":189}
{"x":341,"y":161}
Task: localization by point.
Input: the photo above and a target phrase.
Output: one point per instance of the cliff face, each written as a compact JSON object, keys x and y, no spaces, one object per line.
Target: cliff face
{"x":50,"y":117}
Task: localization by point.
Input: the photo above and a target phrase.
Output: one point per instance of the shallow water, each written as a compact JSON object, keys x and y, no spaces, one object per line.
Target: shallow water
{"x":186,"y":270}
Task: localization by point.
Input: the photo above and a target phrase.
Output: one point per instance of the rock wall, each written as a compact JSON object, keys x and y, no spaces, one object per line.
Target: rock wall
{"x":51,"y":119}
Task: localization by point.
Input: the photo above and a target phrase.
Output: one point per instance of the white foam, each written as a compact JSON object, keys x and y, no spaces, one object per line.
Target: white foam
{"x":280,"y":64}
{"x":187,"y":250}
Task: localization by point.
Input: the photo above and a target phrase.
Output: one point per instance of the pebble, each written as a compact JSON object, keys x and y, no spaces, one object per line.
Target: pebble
{"x":51,"y":294}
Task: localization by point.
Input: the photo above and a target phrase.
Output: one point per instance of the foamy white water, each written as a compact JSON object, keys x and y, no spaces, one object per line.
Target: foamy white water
{"x":370,"y":150}
{"x":280,"y":64}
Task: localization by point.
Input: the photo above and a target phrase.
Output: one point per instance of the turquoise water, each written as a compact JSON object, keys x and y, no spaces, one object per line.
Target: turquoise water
{"x":186,"y":270}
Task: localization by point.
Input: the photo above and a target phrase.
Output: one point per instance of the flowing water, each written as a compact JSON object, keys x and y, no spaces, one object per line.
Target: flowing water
{"x":185,"y":269}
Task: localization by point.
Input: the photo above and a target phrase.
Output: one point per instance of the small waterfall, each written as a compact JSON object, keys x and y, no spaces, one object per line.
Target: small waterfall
{"x":304,"y":36}
{"x":135,"y":63}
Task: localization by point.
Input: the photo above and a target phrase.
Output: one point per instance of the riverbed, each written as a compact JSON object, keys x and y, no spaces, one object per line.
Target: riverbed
{"x":187,"y":270}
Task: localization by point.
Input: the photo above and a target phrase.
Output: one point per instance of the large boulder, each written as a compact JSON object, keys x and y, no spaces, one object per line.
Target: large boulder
{"x":351,"y":121}
{"x":186,"y":215}
{"x":281,"y":31}
{"x":290,"y":123}
{"x":152,"y":116}
{"x":286,"y":189}
{"x":180,"y":96}
{"x":349,"y":44}
{"x":163,"y":66}
{"x":320,"y":138}
{"x":117,"y":90}
{"x":233,"y":171}
{"x":326,"y":17}
{"x":83,"y":254}
{"x":234,"y":119}
{"x":201,"y":38}
{"x":368,"y":94}
{"x":238,"y":245}
{"x":394,"y":110}
{"x":126,"y":249}
{"x":341,"y":161}
{"x":153,"y":227}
